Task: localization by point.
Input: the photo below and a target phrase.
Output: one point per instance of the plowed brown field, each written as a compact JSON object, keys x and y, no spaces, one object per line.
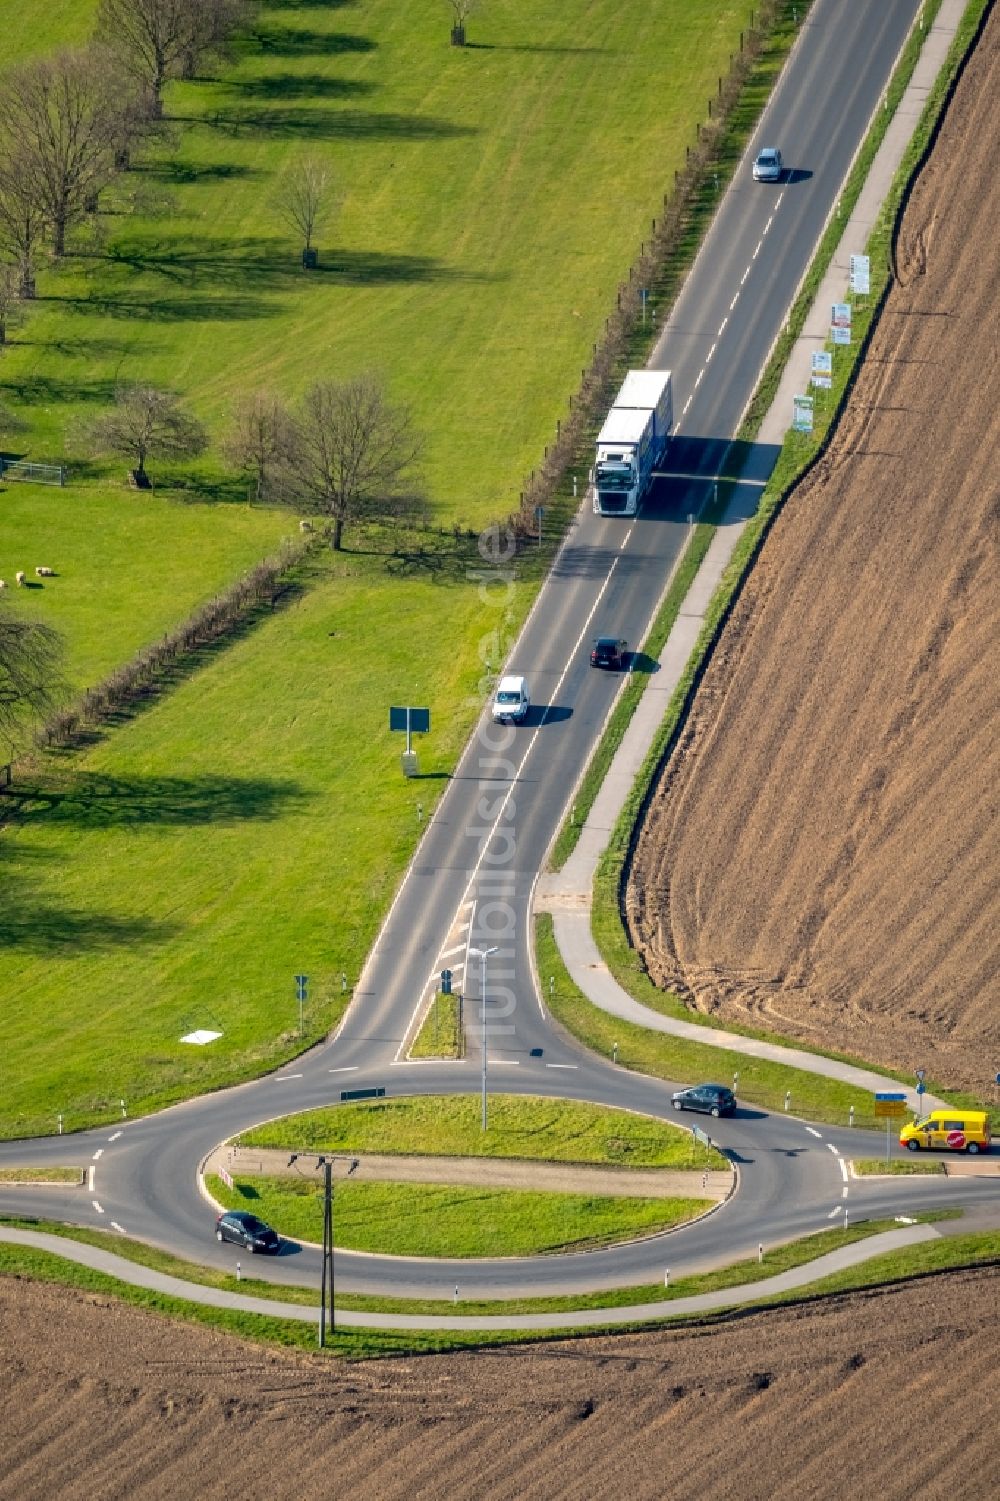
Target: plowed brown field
{"x":885,"y":1394}
{"x":821,"y":855}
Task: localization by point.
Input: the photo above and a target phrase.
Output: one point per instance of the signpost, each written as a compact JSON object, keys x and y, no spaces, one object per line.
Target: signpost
{"x":891,"y":1106}
{"x":363,"y":1094}
{"x":840,"y":323}
{"x":413,"y":722}
{"x":301,"y":995}
{"x":802,"y":414}
{"x":822,"y":369}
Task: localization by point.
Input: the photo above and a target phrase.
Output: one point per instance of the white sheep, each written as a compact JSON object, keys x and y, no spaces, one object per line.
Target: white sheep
{"x":3,"y":583}
{"x":19,"y":575}
{"x":45,"y":573}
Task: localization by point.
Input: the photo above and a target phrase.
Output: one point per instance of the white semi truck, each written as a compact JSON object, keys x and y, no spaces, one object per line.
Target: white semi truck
{"x":631,"y":442}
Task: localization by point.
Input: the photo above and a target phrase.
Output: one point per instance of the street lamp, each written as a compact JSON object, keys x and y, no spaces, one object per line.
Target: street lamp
{"x":483,"y":955}
{"x":326,"y":1163}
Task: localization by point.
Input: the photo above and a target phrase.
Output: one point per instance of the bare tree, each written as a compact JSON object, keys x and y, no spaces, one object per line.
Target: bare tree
{"x":30,"y":672}
{"x":351,"y":448}
{"x":303,"y":194}
{"x":162,"y":39}
{"x":10,"y":297}
{"x":59,"y":118}
{"x":147,"y":423}
{"x":260,"y":440}
{"x":22,"y":222}
{"x":461,"y":10}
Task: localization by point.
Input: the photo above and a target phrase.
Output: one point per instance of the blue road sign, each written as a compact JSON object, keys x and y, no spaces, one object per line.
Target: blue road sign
{"x":301,"y":981}
{"x":890,"y":1095}
{"x":921,"y":1086}
{"x":410,"y":721}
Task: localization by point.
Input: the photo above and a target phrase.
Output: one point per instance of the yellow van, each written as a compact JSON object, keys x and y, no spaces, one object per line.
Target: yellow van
{"x":950,"y":1131}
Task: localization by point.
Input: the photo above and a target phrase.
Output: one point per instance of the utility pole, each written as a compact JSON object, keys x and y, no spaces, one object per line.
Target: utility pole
{"x":327,"y":1271}
{"x":484,"y":954}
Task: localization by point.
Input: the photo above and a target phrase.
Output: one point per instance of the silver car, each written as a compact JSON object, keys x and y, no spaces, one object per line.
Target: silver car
{"x":767,"y":167}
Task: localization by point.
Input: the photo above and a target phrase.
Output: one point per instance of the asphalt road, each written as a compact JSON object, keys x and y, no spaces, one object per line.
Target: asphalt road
{"x":470,"y":884}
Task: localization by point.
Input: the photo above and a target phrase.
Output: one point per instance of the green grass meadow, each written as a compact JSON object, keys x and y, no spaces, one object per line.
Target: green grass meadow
{"x":431,"y":1219}
{"x":253,"y":823}
{"x":520,"y":1126}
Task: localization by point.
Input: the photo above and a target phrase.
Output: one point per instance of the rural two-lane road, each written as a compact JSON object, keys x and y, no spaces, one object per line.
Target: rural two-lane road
{"x":473,"y":875}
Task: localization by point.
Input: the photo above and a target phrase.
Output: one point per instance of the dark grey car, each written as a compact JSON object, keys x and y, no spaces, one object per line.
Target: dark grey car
{"x":246,"y":1230}
{"x":710,"y":1099}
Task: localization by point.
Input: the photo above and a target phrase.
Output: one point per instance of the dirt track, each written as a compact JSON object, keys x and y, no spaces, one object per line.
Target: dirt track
{"x":821,"y":855}
{"x":845,"y":1398}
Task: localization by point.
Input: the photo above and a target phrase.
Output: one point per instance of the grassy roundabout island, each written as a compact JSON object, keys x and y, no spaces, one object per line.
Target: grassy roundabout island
{"x":602,"y":1176}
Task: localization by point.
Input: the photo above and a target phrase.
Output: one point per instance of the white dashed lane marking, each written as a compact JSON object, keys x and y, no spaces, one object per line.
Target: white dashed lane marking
{"x":831,"y":1148}
{"x":97,"y":1207}
{"x":346,"y":1068}
{"x":115,"y":1136}
{"x":98,"y":1154}
{"x":813,"y":1132}
{"x":115,"y":1226}
{"x":280,"y":1078}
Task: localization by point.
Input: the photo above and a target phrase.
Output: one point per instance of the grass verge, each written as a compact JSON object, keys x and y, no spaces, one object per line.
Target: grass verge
{"x":41,"y":1174}
{"x":428,"y":1219}
{"x":441,"y":1034}
{"x":907,"y":1167}
{"x":522,"y":1126}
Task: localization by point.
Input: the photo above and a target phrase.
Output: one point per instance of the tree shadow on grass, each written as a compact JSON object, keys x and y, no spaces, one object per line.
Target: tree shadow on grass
{"x":301,"y":86}
{"x":318,"y":124}
{"x":175,"y":172}
{"x":304,"y":41}
{"x":34,"y":926}
{"x":34,"y":389}
{"x":98,"y":800}
{"x":238,"y":308}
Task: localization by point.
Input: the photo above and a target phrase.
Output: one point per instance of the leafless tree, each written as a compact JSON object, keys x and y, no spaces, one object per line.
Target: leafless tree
{"x":59,"y":118}
{"x":30,"y":672}
{"x":147,"y":423}
{"x":162,"y":39}
{"x":351,"y":448}
{"x":10,"y":297}
{"x":303,"y":194}
{"x":461,"y":10}
{"x":22,"y":222}
{"x":260,"y":441}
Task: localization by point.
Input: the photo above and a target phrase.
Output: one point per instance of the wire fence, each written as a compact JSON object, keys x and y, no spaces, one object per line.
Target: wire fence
{"x":39,"y":474}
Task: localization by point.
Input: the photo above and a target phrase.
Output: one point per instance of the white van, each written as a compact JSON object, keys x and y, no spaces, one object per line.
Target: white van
{"x":511,"y":701}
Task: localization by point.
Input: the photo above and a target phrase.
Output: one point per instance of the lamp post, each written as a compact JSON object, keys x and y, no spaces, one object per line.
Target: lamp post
{"x":483,"y":955}
{"x":326,"y":1163}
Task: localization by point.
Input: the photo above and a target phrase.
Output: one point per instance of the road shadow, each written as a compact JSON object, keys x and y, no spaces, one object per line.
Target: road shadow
{"x":585,"y":561}
{"x":641,"y":662}
{"x":796,"y":174}
{"x":540,"y":714}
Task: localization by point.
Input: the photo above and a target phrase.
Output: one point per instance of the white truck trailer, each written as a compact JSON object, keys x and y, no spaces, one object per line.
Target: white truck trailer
{"x":631,"y":442}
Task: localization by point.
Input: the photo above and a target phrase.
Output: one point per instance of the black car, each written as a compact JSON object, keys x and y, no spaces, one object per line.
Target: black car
{"x":608,"y":652}
{"x":712,"y":1099}
{"x":246,"y":1230}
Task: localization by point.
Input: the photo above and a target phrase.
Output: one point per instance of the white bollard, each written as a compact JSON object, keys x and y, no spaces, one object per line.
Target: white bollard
{"x":124,"y":1111}
{"x":850,"y":1116}
{"x":788,"y":1098}
{"x":760,"y":1252}
{"x":456,"y":1292}
{"x":239,"y":1272}
{"x":666,"y":1277}
{"x":60,"y":1123}
{"x":614,"y":1053}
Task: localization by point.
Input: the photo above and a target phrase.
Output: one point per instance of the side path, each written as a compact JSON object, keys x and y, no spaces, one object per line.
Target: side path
{"x":133,"y":1273}
{"x":567,"y":893}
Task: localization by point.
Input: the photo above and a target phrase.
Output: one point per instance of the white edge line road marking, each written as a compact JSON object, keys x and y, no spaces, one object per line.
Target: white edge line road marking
{"x":120,"y":1228}
{"x":744,"y":276}
{"x":756,"y":252}
{"x":831,"y":1148}
{"x":571,"y":657}
{"x":503,"y":1062}
{"x":722,"y":326}
{"x":710,"y":352}
{"x":734,"y":302}
{"x":346,"y":1068}
{"x":99,"y":1153}
{"x":419,"y":1062}
{"x":779,"y":198}
{"x":697,"y":383}
{"x":97,"y":1206}
{"x":280,"y":1078}
{"x":562,"y":1065}
{"x":767,"y":226}
{"x":90,"y":1179}
{"x":686,"y":405}
{"x":627,"y":535}
{"x":843,"y":1169}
